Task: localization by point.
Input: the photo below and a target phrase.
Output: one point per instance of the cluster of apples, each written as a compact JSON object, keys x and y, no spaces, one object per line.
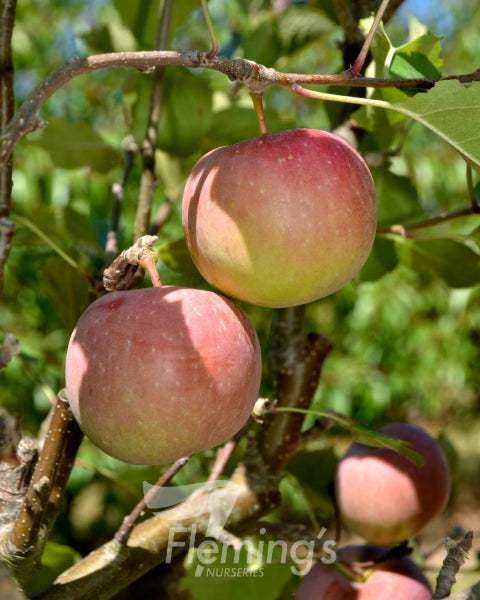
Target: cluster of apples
{"x":386,"y":499}
{"x":156,"y":374}
{"x":159,"y":373}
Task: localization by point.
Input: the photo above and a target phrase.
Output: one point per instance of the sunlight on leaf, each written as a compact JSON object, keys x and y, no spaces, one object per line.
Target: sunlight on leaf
{"x":452,"y":111}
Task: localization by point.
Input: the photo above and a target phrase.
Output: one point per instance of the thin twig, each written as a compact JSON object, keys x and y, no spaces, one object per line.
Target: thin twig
{"x":164,"y":212}
{"x":148,"y":179}
{"x":7,"y":228}
{"x":442,"y":218}
{"x":9,"y":348}
{"x":456,"y":557}
{"x":255,"y":76}
{"x":224,"y":454}
{"x":111,"y":247}
{"x":357,"y":66}
{"x":129,"y":521}
{"x":348,"y":23}
{"x":113,"y":566}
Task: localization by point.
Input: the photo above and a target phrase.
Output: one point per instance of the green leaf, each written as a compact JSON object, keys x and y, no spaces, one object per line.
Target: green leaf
{"x":456,"y":263}
{"x":186,"y":113}
{"x":300,"y":26}
{"x":141,"y":18}
{"x":180,"y":12}
{"x":452,"y":111}
{"x":424,"y":44}
{"x":45,"y":229}
{"x":411,"y":66}
{"x":75,"y":145}
{"x":382,"y":259}
{"x":304,"y":465}
{"x":363,"y":435}
{"x":176,"y":256}
{"x":398,"y":200}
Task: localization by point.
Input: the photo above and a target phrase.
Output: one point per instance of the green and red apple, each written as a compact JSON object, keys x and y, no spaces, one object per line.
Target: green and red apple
{"x":383,"y":496}
{"x":391,"y":579}
{"x":159,"y":373}
{"x":280,"y":220}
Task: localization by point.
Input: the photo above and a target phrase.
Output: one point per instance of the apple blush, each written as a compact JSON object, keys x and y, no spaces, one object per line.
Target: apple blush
{"x":383,"y":496}
{"x":156,"y":374}
{"x":280,"y":220}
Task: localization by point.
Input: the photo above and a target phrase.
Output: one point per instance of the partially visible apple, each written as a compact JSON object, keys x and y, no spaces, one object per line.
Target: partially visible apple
{"x":382,"y":496}
{"x":159,"y":373}
{"x":282,"y":219}
{"x":393,"y":579}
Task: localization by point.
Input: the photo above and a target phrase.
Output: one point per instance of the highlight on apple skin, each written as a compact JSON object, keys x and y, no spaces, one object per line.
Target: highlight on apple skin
{"x":382,"y":496}
{"x":392,"y":579}
{"x":280,"y":220}
{"x":156,"y":374}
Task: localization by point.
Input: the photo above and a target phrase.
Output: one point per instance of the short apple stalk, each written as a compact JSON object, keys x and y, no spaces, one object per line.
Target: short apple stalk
{"x":148,"y":263}
{"x":257,"y":100}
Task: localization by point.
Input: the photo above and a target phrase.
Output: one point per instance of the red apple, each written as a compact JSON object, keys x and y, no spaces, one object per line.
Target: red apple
{"x":159,"y":373}
{"x":394,"y":579}
{"x":282,"y":219}
{"x":382,"y":496}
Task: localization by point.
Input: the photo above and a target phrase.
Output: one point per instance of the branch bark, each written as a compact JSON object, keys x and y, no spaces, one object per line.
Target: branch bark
{"x":456,"y":557}
{"x":41,"y":502}
{"x":296,"y":364}
{"x":255,"y":76}
{"x":113,"y":566}
{"x":7,"y":228}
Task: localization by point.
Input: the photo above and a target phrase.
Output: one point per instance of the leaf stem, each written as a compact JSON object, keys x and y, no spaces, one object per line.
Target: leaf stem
{"x":68,"y":259}
{"x":211,"y":30}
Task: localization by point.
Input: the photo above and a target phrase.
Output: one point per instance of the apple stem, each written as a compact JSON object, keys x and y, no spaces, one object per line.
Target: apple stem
{"x":211,"y":31}
{"x":257,"y":100}
{"x":148,"y":263}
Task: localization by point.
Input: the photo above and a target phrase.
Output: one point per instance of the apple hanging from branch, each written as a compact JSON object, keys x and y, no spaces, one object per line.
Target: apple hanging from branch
{"x":282,"y":219}
{"x":395,"y":578}
{"x":385,"y":498}
{"x":159,"y":373}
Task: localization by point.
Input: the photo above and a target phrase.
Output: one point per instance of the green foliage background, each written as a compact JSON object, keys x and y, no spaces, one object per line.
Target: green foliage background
{"x":405,"y":333}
